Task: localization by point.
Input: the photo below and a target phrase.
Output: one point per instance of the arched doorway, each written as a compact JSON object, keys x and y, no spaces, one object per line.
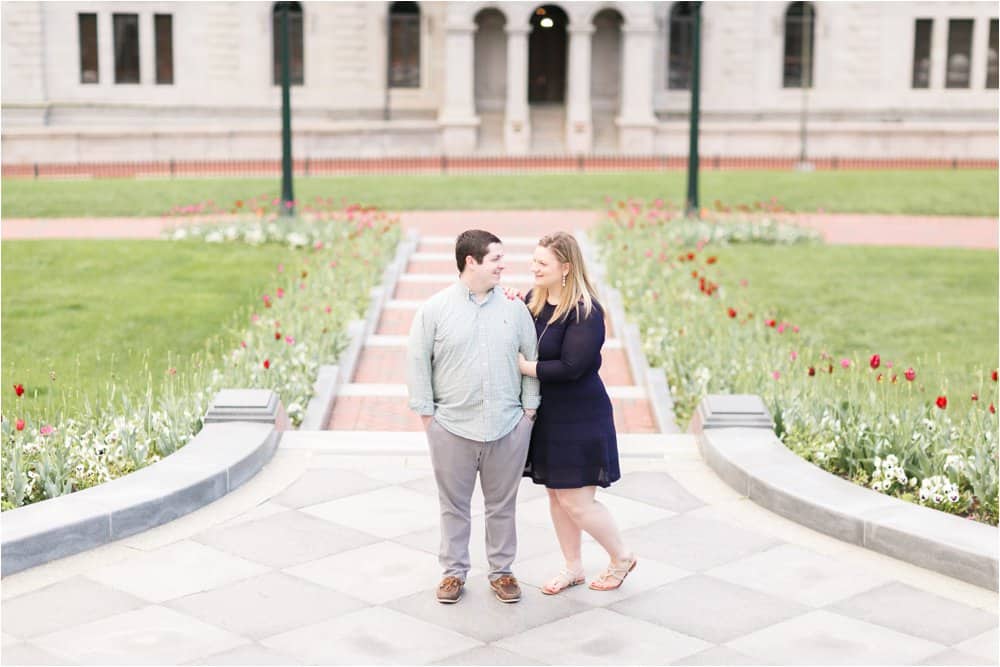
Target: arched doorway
{"x":605,"y":78}
{"x":547,"y":56}
{"x":490,"y":51}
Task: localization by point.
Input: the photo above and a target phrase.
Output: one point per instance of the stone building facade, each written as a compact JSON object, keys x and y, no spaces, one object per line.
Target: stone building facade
{"x":159,"y":80}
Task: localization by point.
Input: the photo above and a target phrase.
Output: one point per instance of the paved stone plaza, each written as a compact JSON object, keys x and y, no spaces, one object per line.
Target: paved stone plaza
{"x":328,"y":556}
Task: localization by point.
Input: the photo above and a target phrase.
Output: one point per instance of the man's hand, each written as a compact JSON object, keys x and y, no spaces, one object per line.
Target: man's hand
{"x":426,"y":419}
{"x":530,"y":414}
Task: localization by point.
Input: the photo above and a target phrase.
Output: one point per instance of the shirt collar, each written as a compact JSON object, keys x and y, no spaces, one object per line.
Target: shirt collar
{"x":464,"y":289}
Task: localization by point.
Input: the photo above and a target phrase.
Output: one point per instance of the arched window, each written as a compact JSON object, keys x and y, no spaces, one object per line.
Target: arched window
{"x":681,"y":38}
{"x":404,"y":45}
{"x":800,"y":34}
{"x":297,"y":64}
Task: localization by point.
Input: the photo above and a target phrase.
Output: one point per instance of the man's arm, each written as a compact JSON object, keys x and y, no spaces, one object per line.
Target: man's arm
{"x":418,"y":377}
{"x":528,"y":346}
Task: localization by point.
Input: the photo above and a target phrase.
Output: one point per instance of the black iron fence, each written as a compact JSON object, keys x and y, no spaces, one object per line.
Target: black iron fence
{"x":464,"y":165}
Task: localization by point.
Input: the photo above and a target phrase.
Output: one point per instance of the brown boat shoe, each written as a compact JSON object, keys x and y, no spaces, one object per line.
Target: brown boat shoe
{"x":506,"y":589}
{"x":449,"y":590}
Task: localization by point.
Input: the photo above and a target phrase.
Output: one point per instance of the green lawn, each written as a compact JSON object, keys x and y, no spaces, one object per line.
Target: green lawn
{"x":94,"y":311}
{"x":934,"y":309}
{"x":937,"y":192}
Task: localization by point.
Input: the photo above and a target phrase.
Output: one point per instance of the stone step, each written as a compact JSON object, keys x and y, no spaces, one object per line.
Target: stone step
{"x":392,"y":413}
{"x":388,"y":365}
{"x":425,"y":290}
{"x":414,"y":443}
{"x":447,"y":266}
{"x":401,"y":340}
{"x":396,"y":321}
{"x":524,"y":244}
{"x":399,"y":389}
{"x":428,"y":256}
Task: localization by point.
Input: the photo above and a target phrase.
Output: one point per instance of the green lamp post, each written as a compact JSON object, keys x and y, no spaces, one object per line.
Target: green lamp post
{"x":692,"y":207}
{"x":287,"y":198}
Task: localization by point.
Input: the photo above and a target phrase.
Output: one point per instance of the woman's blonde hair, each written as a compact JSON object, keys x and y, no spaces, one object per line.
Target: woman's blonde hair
{"x":578,"y":290}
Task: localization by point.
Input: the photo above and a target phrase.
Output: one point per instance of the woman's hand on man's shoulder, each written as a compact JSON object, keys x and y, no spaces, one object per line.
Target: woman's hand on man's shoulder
{"x":513,"y":294}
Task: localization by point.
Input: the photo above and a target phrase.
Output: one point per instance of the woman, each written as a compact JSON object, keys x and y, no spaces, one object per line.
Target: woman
{"x":573,"y":446}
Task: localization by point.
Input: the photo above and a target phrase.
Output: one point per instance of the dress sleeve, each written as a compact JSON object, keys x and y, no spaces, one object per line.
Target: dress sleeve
{"x":581,"y":349}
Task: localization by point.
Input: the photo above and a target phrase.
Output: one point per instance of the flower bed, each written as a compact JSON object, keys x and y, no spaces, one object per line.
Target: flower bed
{"x":855,"y":414}
{"x":297,"y":326}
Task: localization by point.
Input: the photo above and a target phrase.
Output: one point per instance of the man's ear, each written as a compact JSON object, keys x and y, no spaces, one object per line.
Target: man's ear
{"x":469,"y":259}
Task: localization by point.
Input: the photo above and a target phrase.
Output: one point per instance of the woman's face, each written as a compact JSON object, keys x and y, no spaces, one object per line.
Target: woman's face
{"x":547,"y":268}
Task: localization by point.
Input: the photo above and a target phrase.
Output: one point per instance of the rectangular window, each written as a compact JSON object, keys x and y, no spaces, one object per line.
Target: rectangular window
{"x":959,"y":53}
{"x":681,"y":48}
{"x":126,"y":27}
{"x":922,"y":53}
{"x":991,"y":56}
{"x":88,"y":47}
{"x":404,"y":50}
{"x":296,"y":63}
{"x":800,"y":34}
{"x":163,"y":25}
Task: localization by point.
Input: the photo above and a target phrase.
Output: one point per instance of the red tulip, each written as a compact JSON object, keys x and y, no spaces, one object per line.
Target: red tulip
{"x":941,"y":402}
{"x":712,"y":260}
{"x":910,"y":374}
{"x":770,"y":323}
{"x":690,"y":256}
{"x":875,"y":361}
{"x":277,"y":335}
{"x":19,"y":424}
{"x":993,"y":409}
{"x":994,"y":375}
{"x":19,"y":389}
{"x":731,"y":312}
{"x":812,"y":371}
{"x":975,"y":396}
{"x":267,"y":363}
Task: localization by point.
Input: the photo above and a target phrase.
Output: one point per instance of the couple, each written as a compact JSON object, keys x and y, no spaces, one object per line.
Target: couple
{"x":492,"y":406}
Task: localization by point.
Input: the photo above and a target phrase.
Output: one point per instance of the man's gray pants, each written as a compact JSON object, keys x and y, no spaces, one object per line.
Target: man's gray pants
{"x":500,"y":465}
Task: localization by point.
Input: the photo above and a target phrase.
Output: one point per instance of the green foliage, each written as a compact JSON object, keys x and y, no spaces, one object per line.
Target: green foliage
{"x":298,"y":324}
{"x":834,"y":403}
{"x":916,"y":192}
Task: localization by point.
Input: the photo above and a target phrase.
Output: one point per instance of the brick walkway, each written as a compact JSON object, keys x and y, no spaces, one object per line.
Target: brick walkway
{"x":839,"y":228}
{"x":375,"y":399}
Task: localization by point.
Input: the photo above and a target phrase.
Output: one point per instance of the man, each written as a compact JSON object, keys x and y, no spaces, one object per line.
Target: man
{"x":476,"y":406}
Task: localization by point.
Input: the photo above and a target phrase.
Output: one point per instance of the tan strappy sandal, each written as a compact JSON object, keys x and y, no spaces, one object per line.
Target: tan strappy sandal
{"x":617,"y":573}
{"x":565,"y":579}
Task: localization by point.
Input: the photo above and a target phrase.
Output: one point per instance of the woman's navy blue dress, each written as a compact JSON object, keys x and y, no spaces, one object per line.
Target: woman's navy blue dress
{"x":573,"y":441}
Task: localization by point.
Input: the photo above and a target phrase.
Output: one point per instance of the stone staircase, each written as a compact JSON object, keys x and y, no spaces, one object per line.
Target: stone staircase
{"x":375,"y":399}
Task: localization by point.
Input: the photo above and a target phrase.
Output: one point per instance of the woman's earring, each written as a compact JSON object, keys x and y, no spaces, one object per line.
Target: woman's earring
{"x":564,"y":280}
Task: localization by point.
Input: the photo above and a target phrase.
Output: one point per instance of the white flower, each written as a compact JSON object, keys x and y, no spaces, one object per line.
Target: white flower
{"x":214,"y":237}
{"x":180,"y":234}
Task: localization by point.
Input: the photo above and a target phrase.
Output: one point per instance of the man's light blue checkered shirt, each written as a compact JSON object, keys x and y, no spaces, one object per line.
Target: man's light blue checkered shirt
{"x":462,"y":362}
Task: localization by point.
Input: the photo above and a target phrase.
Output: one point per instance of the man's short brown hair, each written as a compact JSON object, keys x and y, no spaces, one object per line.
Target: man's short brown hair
{"x":475,"y":242}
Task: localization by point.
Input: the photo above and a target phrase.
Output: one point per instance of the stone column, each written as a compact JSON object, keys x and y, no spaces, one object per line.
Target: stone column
{"x":939,"y":52}
{"x":977,"y":65}
{"x":517,"y":121}
{"x":636,"y":123}
{"x":579,"y":128}
{"x":459,"y":123}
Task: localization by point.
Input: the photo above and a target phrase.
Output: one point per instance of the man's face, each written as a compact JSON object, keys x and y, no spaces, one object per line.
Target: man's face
{"x":487,"y":274}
